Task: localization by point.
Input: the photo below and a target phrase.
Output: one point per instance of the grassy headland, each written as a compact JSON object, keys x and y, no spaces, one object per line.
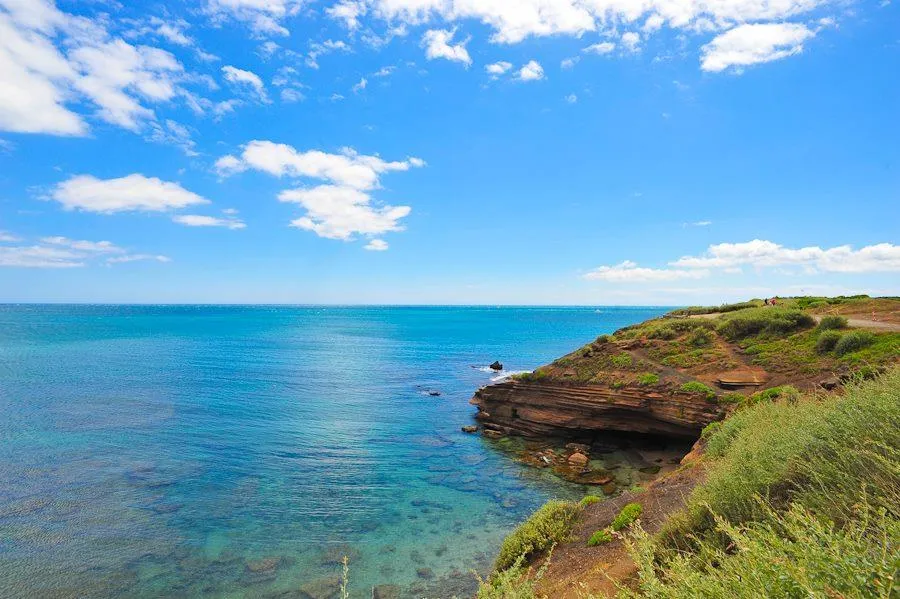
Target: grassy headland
{"x":794,"y":494}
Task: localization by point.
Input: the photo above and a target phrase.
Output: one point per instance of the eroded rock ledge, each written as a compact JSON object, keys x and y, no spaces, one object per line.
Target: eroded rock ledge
{"x":566,"y":409}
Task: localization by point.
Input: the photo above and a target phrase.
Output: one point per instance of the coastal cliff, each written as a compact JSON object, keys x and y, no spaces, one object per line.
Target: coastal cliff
{"x":568,"y":409}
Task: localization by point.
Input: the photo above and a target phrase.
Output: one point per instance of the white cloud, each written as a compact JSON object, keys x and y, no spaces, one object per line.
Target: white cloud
{"x":62,"y":252}
{"x":347,"y":169}
{"x":600,"y":48}
{"x":138,"y":258}
{"x":132,"y":193}
{"x":437,"y":44}
{"x":7,"y":237}
{"x":753,"y":44}
{"x":384,"y":71}
{"x":360,"y":86}
{"x":290,"y":94}
{"x":629,"y":272}
{"x":498,"y":68}
{"x":265,"y":17}
{"x":317,"y":49}
{"x":343,"y":207}
{"x":50,"y":59}
{"x":200,"y":220}
{"x":882,"y":257}
{"x":699,"y":223}
{"x":572,"y":99}
{"x":569,"y":63}
{"x":533,"y":71}
{"x":244,"y":78}
{"x":377,"y":245}
{"x":348,"y":11}
{"x":632,"y":41}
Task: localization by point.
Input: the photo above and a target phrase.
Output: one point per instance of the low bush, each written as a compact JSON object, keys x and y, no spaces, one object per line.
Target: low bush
{"x":733,"y":397}
{"x":827,"y":340}
{"x":787,"y":393}
{"x":600,"y":537}
{"x":546,"y":527}
{"x":710,"y":429}
{"x":700,"y":338}
{"x":698,"y":387}
{"x":531,"y":377}
{"x":629,"y":514}
{"x":622,"y":360}
{"x":648,"y":379}
{"x":589,"y":500}
{"x":832,"y":322}
{"x":776,"y":322}
{"x":515,"y":582}
{"x":853,"y":341}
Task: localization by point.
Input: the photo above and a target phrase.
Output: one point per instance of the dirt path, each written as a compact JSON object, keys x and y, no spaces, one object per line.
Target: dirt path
{"x":576,"y":569}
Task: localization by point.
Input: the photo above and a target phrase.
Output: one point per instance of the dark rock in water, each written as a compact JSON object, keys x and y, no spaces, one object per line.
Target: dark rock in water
{"x":496,"y":366}
{"x":263,"y":566}
{"x":470,"y":428}
{"x":321,"y":588}
{"x":434,"y":393}
{"x":334,"y":555}
{"x":386,"y":591}
{"x":426,"y":573}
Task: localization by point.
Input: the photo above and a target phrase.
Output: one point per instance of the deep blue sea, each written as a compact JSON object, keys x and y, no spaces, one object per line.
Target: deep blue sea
{"x":225,"y":451}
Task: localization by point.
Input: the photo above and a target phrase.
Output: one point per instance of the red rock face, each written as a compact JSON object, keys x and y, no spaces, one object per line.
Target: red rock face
{"x":555,"y":408}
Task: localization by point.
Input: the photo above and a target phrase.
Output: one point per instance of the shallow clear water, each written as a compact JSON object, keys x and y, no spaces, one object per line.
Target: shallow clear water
{"x":209,"y":451}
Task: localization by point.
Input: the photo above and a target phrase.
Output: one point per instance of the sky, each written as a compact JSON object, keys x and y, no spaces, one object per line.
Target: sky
{"x":590,"y":152}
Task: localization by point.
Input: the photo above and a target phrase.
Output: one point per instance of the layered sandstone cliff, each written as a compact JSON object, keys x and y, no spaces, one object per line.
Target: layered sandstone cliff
{"x":570,"y":409}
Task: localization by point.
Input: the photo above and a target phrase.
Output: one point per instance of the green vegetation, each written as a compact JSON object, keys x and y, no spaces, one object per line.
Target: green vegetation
{"x":770,"y":322}
{"x":821,"y":454}
{"x":696,"y":310}
{"x":787,"y":393}
{"x":589,"y":500}
{"x":600,"y":537}
{"x":648,"y":379}
{"x":698,"y":387}
{"x":853,"y":341}
{"x":512,"y":583}
{"x":832,"y":321}
{"x":826,"y":341}
{"x":629,"y":514}
{"x":549,"y":525}
{"x":530,"y":377}
{"x":622,"y":360}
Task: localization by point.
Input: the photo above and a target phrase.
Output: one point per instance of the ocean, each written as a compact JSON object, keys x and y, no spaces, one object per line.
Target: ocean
{"x":242,"y":451}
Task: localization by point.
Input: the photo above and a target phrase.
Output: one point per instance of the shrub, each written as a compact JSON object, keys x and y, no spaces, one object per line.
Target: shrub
{"x":853,"y":341}
{"x":700,"y":338}
{"x":710,"y":429}
{"x":764,"y":321}
{"x":549,"y":525}
{"x":832,"y":322}
{"x":783,"y":392}
{"x":588,"y":500}
{"x":826,"y":341}
{"x":787,"y":554}
{"x":823,"y":453}
{"x":622,"y":360}
{"x":512,"y":583}
{"x":698,"y":387}
{"x":629,"y":514}
{"x":602,"y":339}
{"x":648,"y":379}
{"x":733,"y":397}
{"x":531,"y":377}
{"x":600,"y":537}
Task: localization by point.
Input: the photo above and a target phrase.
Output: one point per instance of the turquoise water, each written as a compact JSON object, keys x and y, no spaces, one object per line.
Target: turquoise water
{"x":211,"y":451}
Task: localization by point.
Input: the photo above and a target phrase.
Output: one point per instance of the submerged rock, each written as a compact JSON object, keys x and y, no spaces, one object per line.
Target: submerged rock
{"x":328,"y":587}
{"x":578,"y":459}
{"x":426,"y":573}
{"x":386,"y":591}
{"x":265,"y":565}
{"x":496,"y":366}
{"x":470,"y":428}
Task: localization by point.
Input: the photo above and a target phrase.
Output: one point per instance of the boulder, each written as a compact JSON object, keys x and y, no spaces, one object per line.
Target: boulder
{"x":470,"y":428}
{"x":496,"y":366}
{"x":426,"y":573}
{"x":263,"y":566}
{"x":830,"y":383}
{"x":578,"y":459}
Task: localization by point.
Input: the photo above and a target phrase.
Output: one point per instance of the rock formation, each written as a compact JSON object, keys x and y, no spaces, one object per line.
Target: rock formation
{"x":568,"y":409}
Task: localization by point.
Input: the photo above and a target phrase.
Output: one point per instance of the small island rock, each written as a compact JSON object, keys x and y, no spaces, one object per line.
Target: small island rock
{"x":496,"y":366}
{"x":470,"y":428}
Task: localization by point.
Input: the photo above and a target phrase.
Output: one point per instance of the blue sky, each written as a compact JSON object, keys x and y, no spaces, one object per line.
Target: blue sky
{"x":448,"y":151}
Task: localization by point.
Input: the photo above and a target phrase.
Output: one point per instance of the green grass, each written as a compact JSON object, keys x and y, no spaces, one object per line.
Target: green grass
{"x":546,"y":527}
{"x":648,"y":379}
{"x":768,"y":322}
{"x":629,"y":514}
{"x":600,"y":537}
{"x":589,"y":500}
{"x":853,"y":341}
{"x":800,"y":501}
{"x":698,"y":387}
{"x":832,"y":322}
{"x":622,"y":360}
{"x":531,"y":377}
{"x":695,"y":310}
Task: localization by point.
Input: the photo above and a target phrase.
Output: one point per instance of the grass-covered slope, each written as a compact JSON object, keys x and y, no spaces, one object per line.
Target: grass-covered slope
{"x":801,"y":498}
{"x":801,"y":341}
